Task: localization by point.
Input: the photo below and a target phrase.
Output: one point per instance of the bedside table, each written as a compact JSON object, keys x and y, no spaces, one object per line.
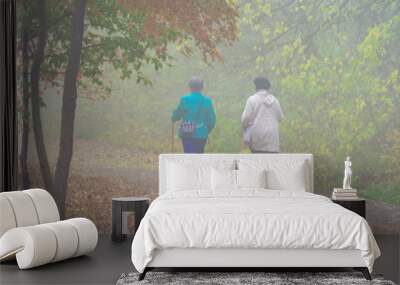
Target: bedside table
{"x":357,"y":206}
{"x":120,"y":209}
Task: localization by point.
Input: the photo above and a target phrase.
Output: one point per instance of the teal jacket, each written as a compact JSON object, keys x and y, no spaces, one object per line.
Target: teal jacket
{"x":188,"y":108}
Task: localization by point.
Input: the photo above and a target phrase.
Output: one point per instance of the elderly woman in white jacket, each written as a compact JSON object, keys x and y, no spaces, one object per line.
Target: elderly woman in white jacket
{"x":260,"y":119}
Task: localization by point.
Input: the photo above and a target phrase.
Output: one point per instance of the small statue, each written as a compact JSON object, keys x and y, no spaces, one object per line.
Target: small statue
{"x":347,"y":174}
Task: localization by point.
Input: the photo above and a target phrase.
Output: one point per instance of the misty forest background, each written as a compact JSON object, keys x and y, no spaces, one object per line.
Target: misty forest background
{"x":98,"y":81}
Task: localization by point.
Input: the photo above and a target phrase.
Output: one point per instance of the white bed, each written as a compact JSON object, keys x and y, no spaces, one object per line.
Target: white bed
{"x":209,"y":226}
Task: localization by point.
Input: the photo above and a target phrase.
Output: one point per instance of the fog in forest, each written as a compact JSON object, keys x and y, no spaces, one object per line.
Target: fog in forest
{"x":333,"y":65}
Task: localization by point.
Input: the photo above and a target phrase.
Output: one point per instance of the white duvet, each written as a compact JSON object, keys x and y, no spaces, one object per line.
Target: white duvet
{"x":250,"y":219}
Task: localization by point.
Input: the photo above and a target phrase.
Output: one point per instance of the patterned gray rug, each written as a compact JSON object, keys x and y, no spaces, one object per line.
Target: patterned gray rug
{"x":269,"y":278}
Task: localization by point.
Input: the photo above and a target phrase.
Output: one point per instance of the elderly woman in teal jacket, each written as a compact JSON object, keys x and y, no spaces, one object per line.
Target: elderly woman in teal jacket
{"x":197,"y":116}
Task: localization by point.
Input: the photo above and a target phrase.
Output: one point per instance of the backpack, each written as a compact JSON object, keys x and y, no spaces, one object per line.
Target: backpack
{"x":187,"y":128}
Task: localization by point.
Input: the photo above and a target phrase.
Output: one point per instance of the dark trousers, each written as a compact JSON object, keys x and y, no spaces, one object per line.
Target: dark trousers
{"x":191,"y":145}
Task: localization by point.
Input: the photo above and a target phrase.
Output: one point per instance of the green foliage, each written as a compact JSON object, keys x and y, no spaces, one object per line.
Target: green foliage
{"x":336,"y":68}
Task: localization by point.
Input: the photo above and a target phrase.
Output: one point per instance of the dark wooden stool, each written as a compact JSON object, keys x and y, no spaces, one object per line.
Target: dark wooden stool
{"x":138,"y":205}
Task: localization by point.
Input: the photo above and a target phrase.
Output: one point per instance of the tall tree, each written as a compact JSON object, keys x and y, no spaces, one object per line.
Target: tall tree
{"x":69,"y":103}
{"x":38,"y":59}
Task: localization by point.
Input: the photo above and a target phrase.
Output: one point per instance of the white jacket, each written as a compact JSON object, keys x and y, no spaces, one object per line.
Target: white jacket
{"x":260,"y":121}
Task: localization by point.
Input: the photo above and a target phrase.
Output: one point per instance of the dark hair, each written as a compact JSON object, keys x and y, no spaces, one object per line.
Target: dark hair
{"x":261,"y":83}
{"x":196,"y":83}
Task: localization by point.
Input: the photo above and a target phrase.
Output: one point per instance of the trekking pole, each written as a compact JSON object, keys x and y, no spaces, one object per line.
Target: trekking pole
{"x":172,"y":136}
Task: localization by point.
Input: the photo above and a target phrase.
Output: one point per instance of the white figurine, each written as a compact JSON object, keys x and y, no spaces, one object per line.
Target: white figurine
{"x":347,"y":174}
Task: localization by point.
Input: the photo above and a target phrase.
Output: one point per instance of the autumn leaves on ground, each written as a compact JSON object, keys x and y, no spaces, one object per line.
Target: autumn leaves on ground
{"x":100,"y":172}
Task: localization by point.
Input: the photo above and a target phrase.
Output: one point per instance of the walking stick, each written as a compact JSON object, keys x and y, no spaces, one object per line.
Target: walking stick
{"x":172,"y":136}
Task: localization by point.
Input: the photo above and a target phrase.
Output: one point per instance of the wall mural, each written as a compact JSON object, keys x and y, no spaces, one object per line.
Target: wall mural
{"x":99,"y":83}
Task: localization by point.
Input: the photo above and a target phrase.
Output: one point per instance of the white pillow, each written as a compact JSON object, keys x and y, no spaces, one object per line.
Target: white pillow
{"x":188,"y":177}
{"x":193,"y":174}
{"x":281,"y":175}
{"x":251,"y":178}
{"x":223,"y":179}
{"x":289,"y":177}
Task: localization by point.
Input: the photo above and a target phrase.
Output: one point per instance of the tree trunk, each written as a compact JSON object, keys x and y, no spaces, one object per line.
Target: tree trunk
{"x":69,"y":104}
{"x":36,"y":100}
{"x":25,"y":179}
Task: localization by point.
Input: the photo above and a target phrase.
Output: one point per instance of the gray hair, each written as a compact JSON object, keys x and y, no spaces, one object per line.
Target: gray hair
{"x":196,"y":83}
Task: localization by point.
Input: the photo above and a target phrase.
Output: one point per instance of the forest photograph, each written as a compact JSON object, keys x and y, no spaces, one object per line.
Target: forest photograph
{"x":99,"y":80}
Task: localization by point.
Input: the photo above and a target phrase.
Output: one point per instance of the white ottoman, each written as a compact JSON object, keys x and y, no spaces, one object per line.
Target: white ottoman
{"x":31,"y":232}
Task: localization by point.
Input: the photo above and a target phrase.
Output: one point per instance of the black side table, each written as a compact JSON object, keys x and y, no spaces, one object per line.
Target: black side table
{"x":138,"y":205}
{"x":357,"y":206}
